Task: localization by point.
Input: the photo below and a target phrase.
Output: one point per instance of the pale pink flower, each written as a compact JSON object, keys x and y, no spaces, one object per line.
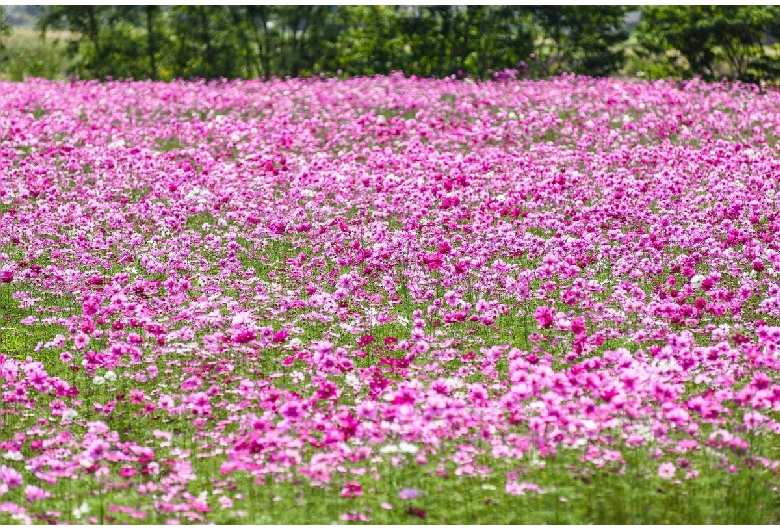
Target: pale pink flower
{"x":666,"y":470}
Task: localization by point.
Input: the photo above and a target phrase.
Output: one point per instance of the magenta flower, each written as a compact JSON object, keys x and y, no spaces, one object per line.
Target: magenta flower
{"x":351,"y":490}
{"x":280,"y":337}
{"x":291,"y":410}
{"x":544,"y":316}
{"x":127,"y":472}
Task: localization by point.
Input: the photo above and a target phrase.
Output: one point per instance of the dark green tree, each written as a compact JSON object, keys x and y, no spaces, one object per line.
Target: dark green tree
{"x":204,"y":43}
{"x":151,"y":16}
{"x":5,"y":31}
{"x":107,"y":39}
{"x":86,"y":22}
{"x":5,"y":26}
{"x":260,"y":17}
{"x":740,"y":33}
{"x":710,"y":41}
{"x":582,"y":39}
{"x":373,"y":41}
{"x":307,"y":39}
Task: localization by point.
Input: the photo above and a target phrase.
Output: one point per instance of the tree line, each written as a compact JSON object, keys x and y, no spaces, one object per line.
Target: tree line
{"x":171,"y":42}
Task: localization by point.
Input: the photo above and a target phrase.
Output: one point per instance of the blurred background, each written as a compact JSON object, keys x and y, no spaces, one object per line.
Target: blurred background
{"x":480,"y":42}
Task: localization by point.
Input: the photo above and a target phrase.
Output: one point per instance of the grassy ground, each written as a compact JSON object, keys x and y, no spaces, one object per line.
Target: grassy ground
{"x":29,"y":54}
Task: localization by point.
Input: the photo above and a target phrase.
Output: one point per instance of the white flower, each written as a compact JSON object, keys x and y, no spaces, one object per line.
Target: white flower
{"x":110,"y":375}
{"x":389,"y":449}
{"x":81,"y":510}
{"x":589,"y":425}
{"x":696,"y":281}
{"x":454,"y":382}
{"x":99,"y":380}
{"x":537,"y":462}
{"x":403,"y":320}
{"x":69,"y":414}
{"x":405,"y":447}
{"x":13,"y":455}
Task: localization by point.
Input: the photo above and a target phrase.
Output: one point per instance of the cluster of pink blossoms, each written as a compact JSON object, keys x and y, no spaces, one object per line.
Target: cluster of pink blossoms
{"x":328,"y":280}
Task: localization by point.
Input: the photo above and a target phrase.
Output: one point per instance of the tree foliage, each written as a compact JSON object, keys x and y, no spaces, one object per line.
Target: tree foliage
{"x":710,"y":41}
{"x":5,"y":31}
{"x":168,"y":42}
{"x":5,"y":26}
{"x":583,"y":39}
{"x":254,"y":41}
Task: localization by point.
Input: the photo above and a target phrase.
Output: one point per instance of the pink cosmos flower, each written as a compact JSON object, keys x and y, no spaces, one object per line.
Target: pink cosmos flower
{"x":515,"y":488}
{"x":127,"y":472}
{"x":191,"y":383}
{"x":351,"y":490}
{"x":544,"y":316}
{"x":81,"y":340}
{"x":137,"y":396}
{"x":34,"y":493}
{"x":666,"y":470}
{"x":280,"y":337}
{"x":408,"y":494}
{"x":10,"y":476}
{"x":291,"y":410}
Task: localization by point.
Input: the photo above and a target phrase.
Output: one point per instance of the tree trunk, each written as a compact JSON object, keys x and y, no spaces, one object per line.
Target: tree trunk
{"x":264,"y":59}
{"x":252,"y":63}
{"x":266,"y":42}
{"x":204,"y":28}
{"x":150,"y":41}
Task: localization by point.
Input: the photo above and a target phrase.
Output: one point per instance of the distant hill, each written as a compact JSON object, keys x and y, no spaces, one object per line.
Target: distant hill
{"x":23,"y":16}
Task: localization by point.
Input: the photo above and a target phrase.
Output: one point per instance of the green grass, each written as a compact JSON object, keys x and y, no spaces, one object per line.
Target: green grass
{"x":19,"y":340}
{"x":27,"y":54}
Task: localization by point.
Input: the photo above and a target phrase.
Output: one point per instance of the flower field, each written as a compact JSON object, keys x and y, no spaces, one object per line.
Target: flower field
{"x":389,"y":300}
